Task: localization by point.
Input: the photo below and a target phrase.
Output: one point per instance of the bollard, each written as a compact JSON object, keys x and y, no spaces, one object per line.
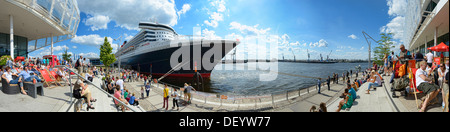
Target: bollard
{"x":287,"y":95}
{"x":256,"y":106}
{"x":273,"y":102}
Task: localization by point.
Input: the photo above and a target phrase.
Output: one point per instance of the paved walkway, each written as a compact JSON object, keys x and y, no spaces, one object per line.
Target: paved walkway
{"x":380,"y":100}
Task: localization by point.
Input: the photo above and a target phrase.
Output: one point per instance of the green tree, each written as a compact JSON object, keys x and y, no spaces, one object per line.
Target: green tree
{"x":3,"y":59}
{"x":106,"y":55}
{"x":66,"y":56}
{"x":385,"y":44}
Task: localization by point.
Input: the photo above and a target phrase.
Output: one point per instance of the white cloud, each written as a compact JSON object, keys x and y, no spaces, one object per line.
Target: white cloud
{"x":60,"y":48}
{"x":321,"y":43}
{"x":397,"y":7}
{"x":219,"y":4}
{"x":395,"y":26}
{"x":128,"y":13}
{"x":97,"y":22}
{"x":215,"y":18}
{"x":210,"y":34}
{"x":397,"y":10}
{"x":353,"y":36}
{"x":89,"y":55}
{"x":217,"y":15}
{"x":91,"y":40}
{"x":184,"y":9}
{"x":248,"y":30}
{"x":74,"y":47}
{"x":128,"y":37}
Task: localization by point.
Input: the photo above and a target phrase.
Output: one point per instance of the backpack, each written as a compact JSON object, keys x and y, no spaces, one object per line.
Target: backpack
{"x":77,"y":93}
{"x":77,"y":64}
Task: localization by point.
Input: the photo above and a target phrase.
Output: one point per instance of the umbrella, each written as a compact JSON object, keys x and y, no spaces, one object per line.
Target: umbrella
{"x":440,"y":48}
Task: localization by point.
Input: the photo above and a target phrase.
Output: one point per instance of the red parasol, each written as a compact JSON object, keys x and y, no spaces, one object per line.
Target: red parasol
{"x":440,"y":48}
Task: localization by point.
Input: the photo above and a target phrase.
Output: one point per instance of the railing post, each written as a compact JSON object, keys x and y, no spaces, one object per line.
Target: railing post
{"x":287,"y":95}
{"x":273,"y":102}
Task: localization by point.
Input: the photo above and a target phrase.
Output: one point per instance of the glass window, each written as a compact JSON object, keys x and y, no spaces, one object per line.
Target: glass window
{"x":46,"y":4}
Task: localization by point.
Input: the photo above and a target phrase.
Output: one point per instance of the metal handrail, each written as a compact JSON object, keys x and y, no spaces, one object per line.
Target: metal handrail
{"x":79,"y":76}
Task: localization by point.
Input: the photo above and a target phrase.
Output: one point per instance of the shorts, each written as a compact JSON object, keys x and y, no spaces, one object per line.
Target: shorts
{"x":427,"y":87}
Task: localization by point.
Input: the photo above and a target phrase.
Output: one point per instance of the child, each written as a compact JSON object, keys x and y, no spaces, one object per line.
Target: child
{"x":175,"y":99}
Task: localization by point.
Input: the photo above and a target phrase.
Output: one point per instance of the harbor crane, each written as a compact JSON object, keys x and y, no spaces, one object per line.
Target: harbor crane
{"x":293,"y":54}
{"x":328,"y":56}
{"x":321,"y":57}
{"x":367,"y":36}
{"x":308,"y":54}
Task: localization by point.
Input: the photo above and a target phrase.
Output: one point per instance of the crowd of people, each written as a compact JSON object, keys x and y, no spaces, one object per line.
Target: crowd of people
{"x":431,"y":78}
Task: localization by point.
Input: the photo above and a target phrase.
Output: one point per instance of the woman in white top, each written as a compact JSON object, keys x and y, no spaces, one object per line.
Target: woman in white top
{"x":374,"y":80}
{"x":8,"y":77}
{"x":175,"y":96}
{"x":425,"y":85}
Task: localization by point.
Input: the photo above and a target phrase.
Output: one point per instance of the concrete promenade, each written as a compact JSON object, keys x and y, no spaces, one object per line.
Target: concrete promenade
{"x":57,"y":99}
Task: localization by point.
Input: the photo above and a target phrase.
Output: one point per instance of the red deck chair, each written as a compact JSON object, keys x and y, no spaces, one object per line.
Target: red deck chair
{"x":55,"y":77}
{"x":413,"y":86}
{"x":47,"y":77}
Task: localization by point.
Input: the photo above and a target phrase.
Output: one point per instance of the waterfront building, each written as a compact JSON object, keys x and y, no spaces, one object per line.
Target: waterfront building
{"x":29,"y":25}
{"x":426,"y":24}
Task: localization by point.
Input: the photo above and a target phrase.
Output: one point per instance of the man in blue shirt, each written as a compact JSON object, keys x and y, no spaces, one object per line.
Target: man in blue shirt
{"x":25,"y":74}
{"x":352,"y":91}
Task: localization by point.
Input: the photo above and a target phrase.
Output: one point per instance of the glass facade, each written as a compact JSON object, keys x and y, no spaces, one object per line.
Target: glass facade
{"x":63,"y":15}
{"x":20,"y":45}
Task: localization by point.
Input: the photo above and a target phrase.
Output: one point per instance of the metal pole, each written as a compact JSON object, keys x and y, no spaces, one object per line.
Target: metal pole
{"x":70,"y":85}
{"x":11,"y":37}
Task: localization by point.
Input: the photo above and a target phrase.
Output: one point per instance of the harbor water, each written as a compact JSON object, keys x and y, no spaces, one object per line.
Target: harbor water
{"x":247,"y":81}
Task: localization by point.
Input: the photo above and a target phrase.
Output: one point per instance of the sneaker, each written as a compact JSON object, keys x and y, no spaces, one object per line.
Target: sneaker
{"x":34,"y":81}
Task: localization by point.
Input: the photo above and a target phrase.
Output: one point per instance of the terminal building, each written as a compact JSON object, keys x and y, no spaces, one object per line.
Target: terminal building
{"x":29,"y":25}
{"x":426,"y":25}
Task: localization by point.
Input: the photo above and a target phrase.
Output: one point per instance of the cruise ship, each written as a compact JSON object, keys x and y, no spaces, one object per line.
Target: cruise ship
{"x":151,"y":50}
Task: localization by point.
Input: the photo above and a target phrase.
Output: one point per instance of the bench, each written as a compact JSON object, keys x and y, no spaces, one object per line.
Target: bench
{"x":34,"y":89}
{"x":10,"y":88}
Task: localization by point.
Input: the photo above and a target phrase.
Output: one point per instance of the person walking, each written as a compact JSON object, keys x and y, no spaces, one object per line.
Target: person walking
{"x":328,"y":82}
{"x":166,"y":97}
{"x":175,"y":97}
{"x":147,"y":88}
{"x":318,"y":84}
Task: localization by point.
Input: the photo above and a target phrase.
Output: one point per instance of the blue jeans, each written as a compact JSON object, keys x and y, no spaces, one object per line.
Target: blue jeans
{"x":372,"y":84}
{"x":30,"y":79}
{"x":16,"y":81}
{"x":319,"y":88}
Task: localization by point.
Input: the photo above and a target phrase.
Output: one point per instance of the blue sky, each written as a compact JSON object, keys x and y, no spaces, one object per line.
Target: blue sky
{"x":317,"y":25}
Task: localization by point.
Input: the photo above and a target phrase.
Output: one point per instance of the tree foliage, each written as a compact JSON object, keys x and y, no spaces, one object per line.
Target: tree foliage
{"x":106,"y":55}
{"x":66,"y":56}
{"x":385,"y":44}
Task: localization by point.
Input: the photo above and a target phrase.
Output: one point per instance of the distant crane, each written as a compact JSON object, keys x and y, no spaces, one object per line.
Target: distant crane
{"x":321,"y":58}
{"x":293,"y":54}
{"x":367,"y":36}
{"x":328,"y":56}
{"x":308,"y":54}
